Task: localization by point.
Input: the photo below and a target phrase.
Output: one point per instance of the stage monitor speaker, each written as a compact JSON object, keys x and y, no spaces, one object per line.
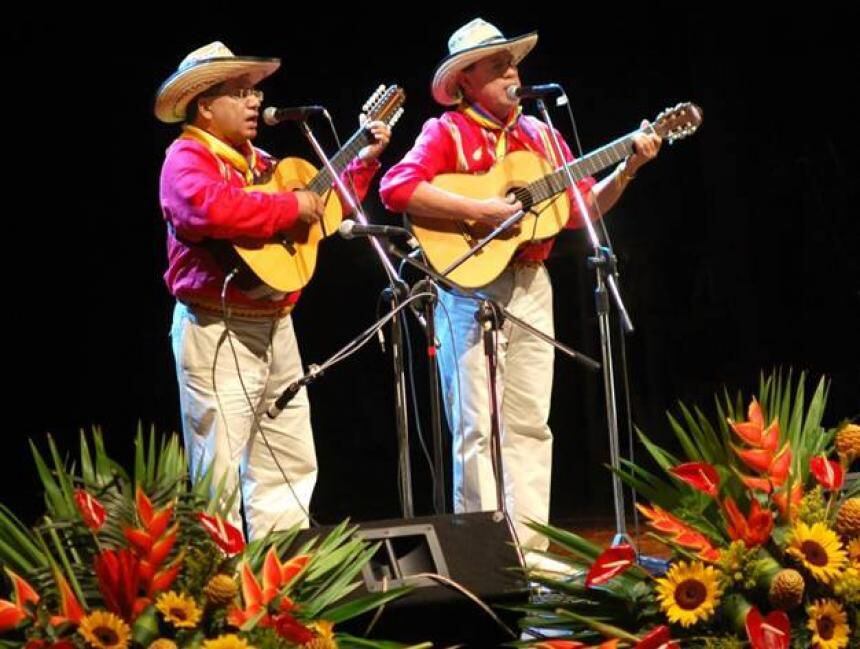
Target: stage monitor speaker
{"x":475,"y":550}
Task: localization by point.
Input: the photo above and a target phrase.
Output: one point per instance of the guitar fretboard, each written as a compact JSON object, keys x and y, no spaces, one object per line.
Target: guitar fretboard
{"x":598,"y":160}
{"x":323,"y":180}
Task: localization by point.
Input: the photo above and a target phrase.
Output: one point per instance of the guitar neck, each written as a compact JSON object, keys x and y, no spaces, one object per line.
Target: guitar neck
{"x":323,"y":180}
{"x":596,"y":161}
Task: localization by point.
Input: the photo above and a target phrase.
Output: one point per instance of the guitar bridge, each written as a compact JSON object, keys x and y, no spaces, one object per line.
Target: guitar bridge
{"x":288,"y":244}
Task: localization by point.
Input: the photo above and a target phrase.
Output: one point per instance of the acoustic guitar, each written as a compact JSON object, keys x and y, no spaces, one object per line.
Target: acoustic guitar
{"x":540,"y":188}
{"x":286,"y":262}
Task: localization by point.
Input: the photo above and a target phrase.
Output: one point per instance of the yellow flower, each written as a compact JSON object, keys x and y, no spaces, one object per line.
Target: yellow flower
{"x":689,"y":593}
{"x":104,"y":630}
{"x":180,"y":610}
{"x":818,"y":549}
{"x":854,"y":551}
{"x":828,"y":623}
{"x":227,"y":641}
{"x":846,"y":586}
{"x":325,"y":635}
{"x":162,"y":643}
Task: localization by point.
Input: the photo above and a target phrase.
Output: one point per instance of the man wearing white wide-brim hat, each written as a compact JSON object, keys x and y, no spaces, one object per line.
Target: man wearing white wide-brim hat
{"x":235,"y":348}
{"x":485,"y":124}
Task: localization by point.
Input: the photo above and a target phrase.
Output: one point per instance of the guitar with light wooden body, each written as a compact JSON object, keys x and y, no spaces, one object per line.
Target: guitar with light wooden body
{"x":286,"y":262}
{"x":540,"y":188}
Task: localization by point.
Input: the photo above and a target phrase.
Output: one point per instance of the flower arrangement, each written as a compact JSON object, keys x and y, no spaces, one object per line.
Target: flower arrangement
{"x":762,"y":527}
{"x":118,"y":562}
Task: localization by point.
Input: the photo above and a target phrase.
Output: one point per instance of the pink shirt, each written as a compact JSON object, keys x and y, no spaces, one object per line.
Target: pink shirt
{"x":436,"y":151}
{"x":202,"y":198}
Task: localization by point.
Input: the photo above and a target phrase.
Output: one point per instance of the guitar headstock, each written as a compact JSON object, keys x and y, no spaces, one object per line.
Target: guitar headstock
{"x":384,"y":105}
{"x":676,"y":123}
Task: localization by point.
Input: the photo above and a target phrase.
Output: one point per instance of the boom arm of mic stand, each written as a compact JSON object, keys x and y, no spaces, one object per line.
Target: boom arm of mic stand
{"x":347,"y":195}
{"x":589,"y":362}
{"x":603,"y":270}
{"x":502,"y":227}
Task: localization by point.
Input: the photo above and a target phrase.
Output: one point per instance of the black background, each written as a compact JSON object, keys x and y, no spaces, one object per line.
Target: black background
{"x":738,"y":247}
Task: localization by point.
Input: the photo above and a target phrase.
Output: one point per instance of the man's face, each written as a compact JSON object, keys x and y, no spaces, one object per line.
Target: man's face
{"x":486,"y":81}
{"x":231,"y":110}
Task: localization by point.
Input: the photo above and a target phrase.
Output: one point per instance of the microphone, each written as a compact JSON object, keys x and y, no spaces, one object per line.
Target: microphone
{"x":291,"y":391}
{"x":273,"y":116}
{"x":533,"y":92}
{"x":349,"y":229}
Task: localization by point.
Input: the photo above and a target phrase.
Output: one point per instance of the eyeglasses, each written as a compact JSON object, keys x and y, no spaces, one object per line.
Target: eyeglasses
{"x":239,"y":93}
{"x":244,"y":93}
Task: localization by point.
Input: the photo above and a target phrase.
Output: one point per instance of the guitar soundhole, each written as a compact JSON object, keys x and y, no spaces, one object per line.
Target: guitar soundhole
{"x":524,"y":196}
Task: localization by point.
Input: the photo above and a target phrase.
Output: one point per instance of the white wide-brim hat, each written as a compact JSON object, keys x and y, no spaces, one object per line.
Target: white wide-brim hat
{"x":473,"y":42}
{"x":202,"y":69}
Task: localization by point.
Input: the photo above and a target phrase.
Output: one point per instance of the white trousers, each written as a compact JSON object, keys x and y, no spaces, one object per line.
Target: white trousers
{"x":218,"y":422}
{"x":524,"y":386}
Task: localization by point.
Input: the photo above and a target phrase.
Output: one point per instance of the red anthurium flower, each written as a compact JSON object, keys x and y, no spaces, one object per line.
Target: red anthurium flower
{"x":291,"y":629}
{"x":70,"y":608}
{"x":699,"y":475}
{"x":227,"y":537}
{"x":683,"y":534}
{"x":782,"y":501}
{"x":90,"y":509}
{"x":659,"y":638}
{"x":828,"y":473}
{"x":754,"y":530}
{"x":610,"y":563}
{"x":771,"y":632}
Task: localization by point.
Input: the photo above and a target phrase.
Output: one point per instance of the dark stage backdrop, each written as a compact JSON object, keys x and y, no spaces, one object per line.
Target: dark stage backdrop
{"x":737,"y":247}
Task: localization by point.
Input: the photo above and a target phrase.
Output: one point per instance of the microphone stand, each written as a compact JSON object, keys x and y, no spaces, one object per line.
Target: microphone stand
{"x":491,"y":315}
{"x":604,"y":262}
{"x":428,"y":289}
{"x":396,"y":294}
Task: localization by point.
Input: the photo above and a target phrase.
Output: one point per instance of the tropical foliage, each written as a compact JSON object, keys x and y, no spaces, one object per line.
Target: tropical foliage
{"x":149,"y":560}
{"x":761,"y":525}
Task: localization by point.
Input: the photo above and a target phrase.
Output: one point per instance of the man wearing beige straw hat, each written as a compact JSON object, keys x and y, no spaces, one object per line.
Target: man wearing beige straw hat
{"x":235,"y":348}
{"x":485,"y":124}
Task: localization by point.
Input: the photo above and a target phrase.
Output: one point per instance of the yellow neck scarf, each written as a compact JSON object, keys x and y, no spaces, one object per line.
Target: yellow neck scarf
{"x":223,"y":151}
{"x":485,"y":119}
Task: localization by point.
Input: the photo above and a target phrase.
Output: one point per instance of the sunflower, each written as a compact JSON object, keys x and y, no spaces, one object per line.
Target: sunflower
{"x":689,"y":593}
{"x":180,"y":610}
{"x":828,"y":623}
{"x":103,"y":630}
{"x":818,"y":549}
{"x":227,"y":641}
